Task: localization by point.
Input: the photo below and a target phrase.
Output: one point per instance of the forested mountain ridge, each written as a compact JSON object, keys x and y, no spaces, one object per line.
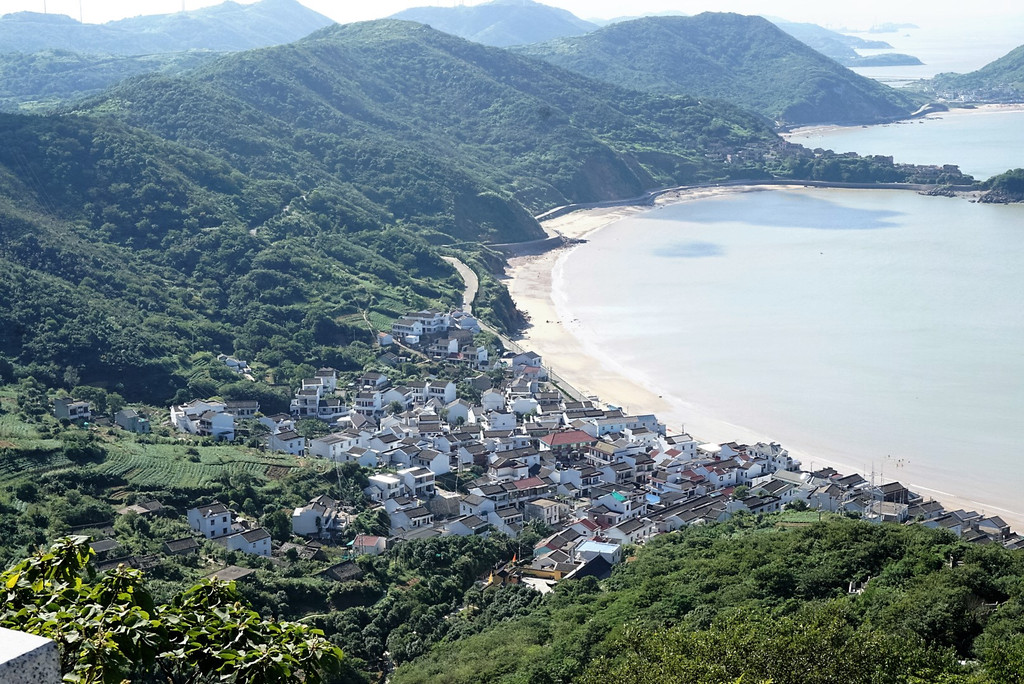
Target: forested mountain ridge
{"x":742,"y":59}
{"x":501,"y":22}
{"x":226,"y":27}
{"x":350,"y":97}
{"x":122,"y":255}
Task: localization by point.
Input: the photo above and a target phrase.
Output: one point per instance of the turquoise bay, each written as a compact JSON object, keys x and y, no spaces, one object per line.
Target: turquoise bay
{"x":878,"y":328}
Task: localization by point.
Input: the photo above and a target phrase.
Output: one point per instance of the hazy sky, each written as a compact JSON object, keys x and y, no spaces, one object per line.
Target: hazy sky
{"x":858,"y":14}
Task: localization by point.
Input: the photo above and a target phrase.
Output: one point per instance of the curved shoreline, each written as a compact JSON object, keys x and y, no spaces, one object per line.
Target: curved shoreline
{"x":533,"y":283}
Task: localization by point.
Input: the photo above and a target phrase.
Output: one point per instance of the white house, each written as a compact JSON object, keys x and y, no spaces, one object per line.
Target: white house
{"x":442,"y":390}
{"x":212,"y":521}
{"x":369,"y":544}
{"x":186,"y":417}
{"x":384,"y":486}
{"x":631,"y":531}
{"x":492,"y":400}
{"x":370,"y":404}
{"x":525,"y":405}
{"x":217,"y":424}
{"x":255,"y":542}
{"x":335,"y":446}
{"x":287,"y":441}
{"x":590,"y":549}
{"x":419,"y":482}
{"x":549,"y":512}
{"x":496,"y":420}
{"x":321,"y":517}
{"x":72,"y":409}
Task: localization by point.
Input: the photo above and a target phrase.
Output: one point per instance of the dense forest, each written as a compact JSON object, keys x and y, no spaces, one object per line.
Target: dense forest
{"x":742,"y":59}
{"x":763,"y":600}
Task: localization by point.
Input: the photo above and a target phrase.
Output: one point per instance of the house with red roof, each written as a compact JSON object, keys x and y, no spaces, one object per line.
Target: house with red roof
{"x":567,"y":443}
{"x":369,"y":544}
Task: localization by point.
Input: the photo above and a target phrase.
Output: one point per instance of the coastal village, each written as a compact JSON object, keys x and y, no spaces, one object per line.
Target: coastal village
{"x":529,"y":452}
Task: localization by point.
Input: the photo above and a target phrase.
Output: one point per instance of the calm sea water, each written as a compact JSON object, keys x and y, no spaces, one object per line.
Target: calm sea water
{"x":983,"y":142}
{"x":966,"y":45}
{"x":883,"y":329}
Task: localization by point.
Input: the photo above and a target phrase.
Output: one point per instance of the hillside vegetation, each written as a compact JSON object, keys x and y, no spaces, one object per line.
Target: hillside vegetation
{"x":745,"y":60}
{"x":998,"y":81}
{"x":746,"y":600}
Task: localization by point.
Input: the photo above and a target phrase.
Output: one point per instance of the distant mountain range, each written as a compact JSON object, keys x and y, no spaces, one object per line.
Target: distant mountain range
{"x":226,"y":27}
{"x":743,"y":59}
{"x":505,"y":23}
{"x":501,"y":22}
{"x":37,"y":80}
{"x":843,"y":48}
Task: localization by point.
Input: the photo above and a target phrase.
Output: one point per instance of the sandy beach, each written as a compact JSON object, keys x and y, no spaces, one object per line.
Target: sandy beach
{"x":530,"y":282}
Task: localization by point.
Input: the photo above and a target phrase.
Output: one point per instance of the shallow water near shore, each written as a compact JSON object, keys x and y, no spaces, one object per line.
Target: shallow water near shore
{"x":877,"y":328}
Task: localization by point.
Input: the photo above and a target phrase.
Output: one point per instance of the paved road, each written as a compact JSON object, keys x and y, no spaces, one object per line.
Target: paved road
{"x":471,"y":281}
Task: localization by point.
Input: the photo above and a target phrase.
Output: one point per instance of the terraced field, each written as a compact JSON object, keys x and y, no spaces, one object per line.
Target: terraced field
{"x":12,"y":428}
{"x":31,"y":458}
{"x":168,"y":466}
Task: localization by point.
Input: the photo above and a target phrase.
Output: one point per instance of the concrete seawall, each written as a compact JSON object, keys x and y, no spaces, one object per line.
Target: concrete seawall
{"x":514,"y":249}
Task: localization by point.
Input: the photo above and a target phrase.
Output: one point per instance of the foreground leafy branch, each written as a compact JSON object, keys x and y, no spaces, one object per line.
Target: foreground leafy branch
{"x":109,"y":628}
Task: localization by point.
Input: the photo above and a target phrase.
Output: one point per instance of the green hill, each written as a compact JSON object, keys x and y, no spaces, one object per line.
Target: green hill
{"x":501,"y":22}
{"x":745,"y":60}
{"x":435,"y":128}
{"x":999,"y":81}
